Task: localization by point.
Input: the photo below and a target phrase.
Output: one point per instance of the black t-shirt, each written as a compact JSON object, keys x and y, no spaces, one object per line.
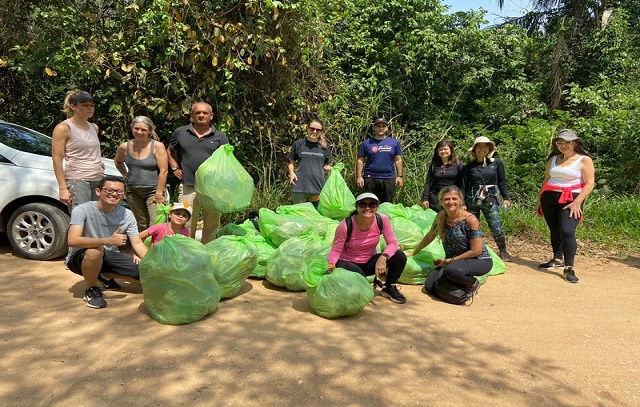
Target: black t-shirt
{"x":311,"y":159}
{"x":195,"y":150}
{"x":440,"y":176}
{"x":476,"y":174}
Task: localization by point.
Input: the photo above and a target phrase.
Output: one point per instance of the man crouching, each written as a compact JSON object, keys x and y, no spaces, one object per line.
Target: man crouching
{"x":96,"y":231}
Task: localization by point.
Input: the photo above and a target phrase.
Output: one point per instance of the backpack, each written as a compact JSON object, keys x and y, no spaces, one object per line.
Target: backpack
{"x":350,"y":227}
{"x":449,"y":291}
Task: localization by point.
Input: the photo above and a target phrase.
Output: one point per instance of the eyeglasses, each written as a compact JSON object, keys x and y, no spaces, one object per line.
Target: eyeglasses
{"x":314,"y":130}
{"x":110,"y":191}
{"x":371,"y":205}
{"x":562,"y":142}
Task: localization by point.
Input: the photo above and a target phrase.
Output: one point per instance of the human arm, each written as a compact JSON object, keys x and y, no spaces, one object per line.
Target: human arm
{"x":172,"y":156}
{"x":292,"y":175}
{"x":427,"y":188}
{"x":547,"y":176}
{"x":588,"y":178}
{"x":502,"y":183}
{"x":474,"y":236}
{"x":338,"y":244}
{"x":327,"y":159}
{"x":359,"y":169}
{"x":428,"y":238}
{"x":138,"y":246}
{"x":61,"y":135}
{"x":119,"y":160}
{"x":163,"y":170}
{"x":398,"y":163}
{"x":75,"y":238}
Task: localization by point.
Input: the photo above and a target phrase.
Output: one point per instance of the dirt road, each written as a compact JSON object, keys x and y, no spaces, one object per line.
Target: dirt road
{"x":529,"y":339}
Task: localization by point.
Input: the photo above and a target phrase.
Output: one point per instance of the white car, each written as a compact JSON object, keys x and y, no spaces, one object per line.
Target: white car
{"x":35,"y":220}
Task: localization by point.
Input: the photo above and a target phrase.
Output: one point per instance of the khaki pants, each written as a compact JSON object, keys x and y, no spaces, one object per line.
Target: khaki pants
{"x":211,"y":219}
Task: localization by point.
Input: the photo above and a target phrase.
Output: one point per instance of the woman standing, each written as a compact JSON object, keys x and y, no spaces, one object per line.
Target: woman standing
{"x":313,"y":155}
{"x":484,"y":183}
{"x":443,"y":172}
{"x":461,"y":237}
{"x":568,"y":180}
{"x":75,"y":141}
{"x":355,"y":242}
{"x":146,"y":170}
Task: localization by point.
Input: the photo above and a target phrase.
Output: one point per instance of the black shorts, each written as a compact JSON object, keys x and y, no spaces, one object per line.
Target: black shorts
{"x":113,"y":262}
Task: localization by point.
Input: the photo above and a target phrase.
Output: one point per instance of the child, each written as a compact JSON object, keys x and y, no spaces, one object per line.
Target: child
{"x":178,"y":216}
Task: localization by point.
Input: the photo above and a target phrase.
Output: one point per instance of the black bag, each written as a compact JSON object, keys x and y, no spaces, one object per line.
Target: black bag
{"x":449,"y":291}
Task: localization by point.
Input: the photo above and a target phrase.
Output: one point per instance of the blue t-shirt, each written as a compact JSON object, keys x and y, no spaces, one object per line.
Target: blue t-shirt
{"x":379,"y":157}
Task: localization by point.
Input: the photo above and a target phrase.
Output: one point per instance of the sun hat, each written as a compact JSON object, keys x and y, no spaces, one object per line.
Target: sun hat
{"x":380,"y":120}
{"x":483,"y":140}
{"x":567,"y":135}
{"x":181,"y":205}
{"x":366,"y":195}
{"x":81,"y":97}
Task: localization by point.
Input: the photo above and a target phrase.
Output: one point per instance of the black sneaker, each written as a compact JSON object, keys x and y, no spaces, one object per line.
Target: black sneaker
{"x":472,"y":290}
{"x":570,"y":275}
{"x":109,"y":284}
{"x":392,"y":293}
{"x":376,"y":283}
{"x":93,"y":297}
{"x":551,"y":264}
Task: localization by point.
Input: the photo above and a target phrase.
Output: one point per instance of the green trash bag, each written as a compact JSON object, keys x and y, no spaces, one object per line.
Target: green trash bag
{"x":308,"y":212}
{"x":222,"y":184}
{"x":231,"y":229}
{"x":434,"y":250}
{"x":287,"y":265}
{"x":331,"y":231}
{"x":265,"y":250}
{"x":416,"y":271}
{"x":394,"y":210}
{"x":339,"y":294}
{"x":498,"y":266}
{"x":233,"y":259}
{"x":423,"y":218}
{"x":178,"y":281}
{"x":407,"y":233}
{"x":336,"y":199}
{"x":249,"y":228}
{"x":277,"y":228}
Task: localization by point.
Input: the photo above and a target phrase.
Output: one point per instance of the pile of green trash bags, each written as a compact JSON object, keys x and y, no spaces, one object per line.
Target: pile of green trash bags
{"x":222,"y":184}
{"x":178,"y":281}
{"x":336,"y":199}
{"x":338,"y":294}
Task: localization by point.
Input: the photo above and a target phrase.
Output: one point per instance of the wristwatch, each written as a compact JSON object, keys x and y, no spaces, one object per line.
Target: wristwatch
{"x":174,"y":168}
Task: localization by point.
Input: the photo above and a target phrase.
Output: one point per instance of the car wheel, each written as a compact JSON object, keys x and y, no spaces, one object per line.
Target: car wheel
{"x":38,"y":231}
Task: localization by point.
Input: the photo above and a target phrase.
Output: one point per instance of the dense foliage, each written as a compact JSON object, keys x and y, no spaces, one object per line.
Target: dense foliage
{"x":266,"y":66}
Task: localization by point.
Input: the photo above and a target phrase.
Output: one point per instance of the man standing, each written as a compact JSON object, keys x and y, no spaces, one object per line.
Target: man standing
{"x":381,"y":159}
{"x":196,"y":142}
{"x":96,"y":230}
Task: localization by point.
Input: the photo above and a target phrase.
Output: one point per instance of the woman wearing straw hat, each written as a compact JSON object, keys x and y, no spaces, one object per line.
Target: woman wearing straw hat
{"x":484,"y":184}
{"x":568,"y":180}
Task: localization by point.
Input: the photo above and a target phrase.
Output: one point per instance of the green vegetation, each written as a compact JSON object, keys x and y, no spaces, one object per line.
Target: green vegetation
{"x":267,"y":66}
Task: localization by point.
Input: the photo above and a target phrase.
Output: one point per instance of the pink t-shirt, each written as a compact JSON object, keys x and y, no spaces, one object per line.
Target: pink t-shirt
{"x":362,"y":245}
{"x":159,"y":231}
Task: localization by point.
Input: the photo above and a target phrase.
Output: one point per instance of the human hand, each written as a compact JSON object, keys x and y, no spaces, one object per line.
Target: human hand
{"x":425,"y":204}
{"x":292,"y":179}
{"x":360,"y":182}
{"x":178,"y":174}
{"x":575,"y":211}
{"x":117,"y":238}
{"x":399,"y":182}
{"x":158,"y":199}
{"x":438,"y":262}
{"x":136,"y":259}
{"x":381,"y":266}
{"x":507,"y":202}
{"x":65,"y":197}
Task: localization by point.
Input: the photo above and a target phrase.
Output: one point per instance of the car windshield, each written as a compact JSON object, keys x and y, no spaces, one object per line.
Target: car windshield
{"x":25,"y":140}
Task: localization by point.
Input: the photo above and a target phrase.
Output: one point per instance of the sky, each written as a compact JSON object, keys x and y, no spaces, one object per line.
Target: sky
{"x":512,"y":8}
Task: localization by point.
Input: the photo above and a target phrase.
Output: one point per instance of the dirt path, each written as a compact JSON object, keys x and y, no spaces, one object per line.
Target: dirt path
{"x":529,"y":339}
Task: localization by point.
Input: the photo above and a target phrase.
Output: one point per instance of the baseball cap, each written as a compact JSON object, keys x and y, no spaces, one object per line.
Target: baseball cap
{"x":181,"y":205}
{"x":365,"y":196}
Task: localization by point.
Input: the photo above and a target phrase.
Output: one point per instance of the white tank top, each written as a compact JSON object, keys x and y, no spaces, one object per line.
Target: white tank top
{"x":82,"y":154}
{"x":564,"y":177}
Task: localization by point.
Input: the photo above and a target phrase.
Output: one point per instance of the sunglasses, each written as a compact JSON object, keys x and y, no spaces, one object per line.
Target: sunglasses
{"x":314,"y":130}
{"x":562,"y":142}
{"x":369,"y":204}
